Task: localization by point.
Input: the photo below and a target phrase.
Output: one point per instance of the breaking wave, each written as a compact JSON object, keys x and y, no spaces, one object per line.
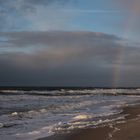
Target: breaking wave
{"x":70,"y":92}
{"x":59,"y":111}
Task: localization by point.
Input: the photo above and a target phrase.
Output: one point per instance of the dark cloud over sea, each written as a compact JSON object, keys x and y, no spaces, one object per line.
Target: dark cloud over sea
{"x":57,"y":58}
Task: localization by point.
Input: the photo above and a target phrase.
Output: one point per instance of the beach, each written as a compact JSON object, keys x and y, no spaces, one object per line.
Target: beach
{"x":69,"y":114}
{"x":125,"y":129}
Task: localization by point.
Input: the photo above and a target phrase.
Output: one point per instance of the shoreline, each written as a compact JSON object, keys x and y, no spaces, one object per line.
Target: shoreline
{"x":125,"y":129}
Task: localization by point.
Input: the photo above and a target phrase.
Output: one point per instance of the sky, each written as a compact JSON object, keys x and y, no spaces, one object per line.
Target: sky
{"x":70,"y":43}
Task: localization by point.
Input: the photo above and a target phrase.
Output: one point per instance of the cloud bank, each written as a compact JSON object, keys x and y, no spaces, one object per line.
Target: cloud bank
{"x":57,"y":58}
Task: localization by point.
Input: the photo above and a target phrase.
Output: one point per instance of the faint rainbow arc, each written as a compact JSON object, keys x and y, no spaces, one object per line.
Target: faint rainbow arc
{"x":117,"y":75}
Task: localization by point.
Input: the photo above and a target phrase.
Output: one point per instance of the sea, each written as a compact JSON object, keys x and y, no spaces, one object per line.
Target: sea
{"x":30,"y":113}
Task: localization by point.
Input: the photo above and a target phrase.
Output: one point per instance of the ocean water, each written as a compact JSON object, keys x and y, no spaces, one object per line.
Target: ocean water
{"x":28,"y":114}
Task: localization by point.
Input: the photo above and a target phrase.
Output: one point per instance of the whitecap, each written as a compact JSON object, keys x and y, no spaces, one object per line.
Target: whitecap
{"x":82,"y":117}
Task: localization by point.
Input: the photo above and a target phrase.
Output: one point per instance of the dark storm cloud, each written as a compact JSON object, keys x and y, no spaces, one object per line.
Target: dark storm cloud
{"x":66,"y":59}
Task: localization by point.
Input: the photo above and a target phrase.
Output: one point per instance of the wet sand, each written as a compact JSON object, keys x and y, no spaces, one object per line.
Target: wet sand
{"x":126,"y":129}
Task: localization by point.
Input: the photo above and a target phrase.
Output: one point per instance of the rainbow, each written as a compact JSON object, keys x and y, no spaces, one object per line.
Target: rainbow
{"x":119,"y":60}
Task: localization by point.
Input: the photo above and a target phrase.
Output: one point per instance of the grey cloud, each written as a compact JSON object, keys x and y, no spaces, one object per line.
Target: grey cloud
{"x":32,"y":14}
{"x":58,"y":38}
{"x":56,"y":48}
{"x":69,"y":59}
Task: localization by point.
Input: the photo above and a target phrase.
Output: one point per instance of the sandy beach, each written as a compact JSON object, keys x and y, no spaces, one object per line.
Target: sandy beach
{"x":126,"y":129}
